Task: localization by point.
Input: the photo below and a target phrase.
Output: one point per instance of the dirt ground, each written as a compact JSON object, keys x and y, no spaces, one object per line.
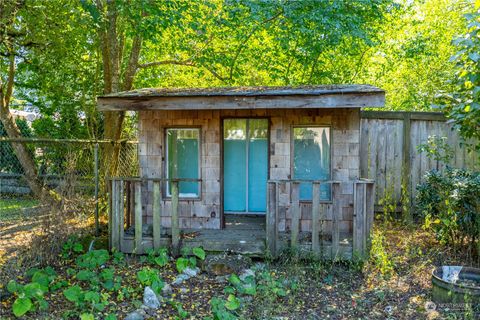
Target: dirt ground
{"x":395,"y":284}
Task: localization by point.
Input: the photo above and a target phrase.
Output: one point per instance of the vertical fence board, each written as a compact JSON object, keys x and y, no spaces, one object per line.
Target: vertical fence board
{"x":156,"y":214}
{"x":295,"y":214}
{"x":175,"y":224}
{"x":111,"y":204}
{"x":315,"y":217}
{"x":121,"y":215}
{"x":335,"y":220}
{"x":138,"y":218}
{"x":271,"y":218}
{"x":388,"y":145}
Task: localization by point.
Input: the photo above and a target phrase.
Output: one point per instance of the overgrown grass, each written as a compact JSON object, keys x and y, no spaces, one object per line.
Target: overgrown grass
{"x":14,"y":209}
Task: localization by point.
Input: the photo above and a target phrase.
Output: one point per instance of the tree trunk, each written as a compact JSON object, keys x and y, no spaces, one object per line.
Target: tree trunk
{"x":24,"y":157}
{"x":112,"y":42}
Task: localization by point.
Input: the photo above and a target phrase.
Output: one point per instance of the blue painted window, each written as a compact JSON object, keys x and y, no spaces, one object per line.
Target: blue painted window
{"x":311,"y":159}
{"x":182,"y":159}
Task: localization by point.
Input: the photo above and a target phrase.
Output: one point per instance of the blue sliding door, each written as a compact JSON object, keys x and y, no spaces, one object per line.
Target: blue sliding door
{"x":245,"y":165}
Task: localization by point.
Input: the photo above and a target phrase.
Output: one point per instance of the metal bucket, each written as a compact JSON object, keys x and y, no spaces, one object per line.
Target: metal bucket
{"x":447,"y":292}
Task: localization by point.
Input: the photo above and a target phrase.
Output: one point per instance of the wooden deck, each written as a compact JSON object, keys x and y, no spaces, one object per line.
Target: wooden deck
{"x":251,"y":235}
{"x":241,"y":235}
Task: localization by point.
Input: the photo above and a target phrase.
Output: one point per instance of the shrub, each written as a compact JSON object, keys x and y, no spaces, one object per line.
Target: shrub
{"x":379,"y":257}
{"x":449,"y":204}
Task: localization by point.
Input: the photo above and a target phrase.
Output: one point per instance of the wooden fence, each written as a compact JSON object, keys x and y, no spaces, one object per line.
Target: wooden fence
{"x":126,"y":211}
{"x":363,"y":196}
{"x":388,"y":152}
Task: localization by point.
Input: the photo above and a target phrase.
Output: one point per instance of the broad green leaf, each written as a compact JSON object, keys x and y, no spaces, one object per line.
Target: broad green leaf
{"x":87,"y":316}
{"x":33,"y":290}
{"x":182,"y":264}
{"x":232,"y":303}
{"x":73,"y":294}
{"x":199,"y":253}
{"x":234,"y":279}
{"x":13,"y":286}
{"x":21,"y":306}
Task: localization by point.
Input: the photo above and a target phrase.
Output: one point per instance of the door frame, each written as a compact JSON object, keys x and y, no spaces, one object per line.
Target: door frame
{"x":222,"y":180}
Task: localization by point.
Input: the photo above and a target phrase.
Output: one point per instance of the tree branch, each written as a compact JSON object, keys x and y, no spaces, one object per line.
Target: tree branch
{"x":188,"y":63}
{"x":132,"y":63}
{"x":242,"y":45}
{"x":164,"y":62}
{"x":10,"y":80}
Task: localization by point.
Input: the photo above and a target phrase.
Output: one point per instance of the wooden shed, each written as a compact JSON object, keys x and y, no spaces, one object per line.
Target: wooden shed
{"x":245,"y":169}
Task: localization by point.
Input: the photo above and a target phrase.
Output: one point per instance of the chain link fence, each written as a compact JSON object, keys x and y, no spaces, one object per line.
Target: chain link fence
{"x":72,"y":168}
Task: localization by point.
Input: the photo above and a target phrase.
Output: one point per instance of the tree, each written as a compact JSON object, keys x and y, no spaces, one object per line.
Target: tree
{"x":13,"y":39}
{"x":462,"y":105}
{"x":411,"y":58}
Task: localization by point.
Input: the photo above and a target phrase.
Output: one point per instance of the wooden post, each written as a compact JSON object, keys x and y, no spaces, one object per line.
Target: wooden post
{"x":295,"y":214}
{"x":132,"y":203}
{"x":138,"y":218}
{"x":97,"y":224}
{"x":335,"y":219}
{"x":315,"y":217}
{"x":370,"y":200}
{"x":407,"y":125}
{"x":271,"y":218}
{"x":121,"y":215}
{"x":114,"y":221}
{"x":111,"y":200}
{"x":156,"y":214}
{"x":175,"y":229}
{"x":358,"y":218}
{"x":127,"y":204}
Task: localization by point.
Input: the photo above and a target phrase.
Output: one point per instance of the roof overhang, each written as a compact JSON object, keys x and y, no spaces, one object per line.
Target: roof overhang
{"x":332,"y":96}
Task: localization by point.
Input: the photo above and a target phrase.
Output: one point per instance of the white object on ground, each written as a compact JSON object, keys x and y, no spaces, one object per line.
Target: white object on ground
{"x":451,"y":273}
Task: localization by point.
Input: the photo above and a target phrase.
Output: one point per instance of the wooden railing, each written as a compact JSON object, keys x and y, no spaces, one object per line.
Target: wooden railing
{"x":126,"y":210}
{"x":363,"y":200}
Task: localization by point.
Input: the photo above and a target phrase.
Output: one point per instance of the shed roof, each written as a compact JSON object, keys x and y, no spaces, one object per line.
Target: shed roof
{"x":320,"y":96}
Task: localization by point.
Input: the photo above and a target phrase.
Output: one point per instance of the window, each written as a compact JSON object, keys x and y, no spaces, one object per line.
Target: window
{"x":183,"y":160}
{"x":311,"y":159}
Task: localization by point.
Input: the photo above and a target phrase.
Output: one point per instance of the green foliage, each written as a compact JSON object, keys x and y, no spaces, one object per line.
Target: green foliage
{"x":219,"y":310}
{"x":181,"y":313}
{"x":93,"y":259}
{"x":449,"y":203}
{"x":159,"y":257}
{"x":437,"y":148}
{"x":188,"y":261}
{"x":71,"y":247}
{"x":21,"y":306}
{"x":184,"y":263}
{"x":30,"y":297}
{"x":199,"y":253}
{"x":379,"y":257}
{"x":87,"y":316}
{"x":151,"y":277}
{"x":411,"y":56}
{"x":83,"y":298}
{"x":8,"y":160}
{"x":462,"y":103}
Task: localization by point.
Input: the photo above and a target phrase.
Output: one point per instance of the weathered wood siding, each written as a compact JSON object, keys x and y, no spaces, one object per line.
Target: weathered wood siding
{"x":206,"y":211}
{"x":383,"y":157}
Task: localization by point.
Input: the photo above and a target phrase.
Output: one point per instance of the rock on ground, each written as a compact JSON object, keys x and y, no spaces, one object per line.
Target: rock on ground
{"x":167,"y":290}
{"x":150,"y":299}
{"x":247,"y":273}
{"x":191,"y":272}
{"x":180,"y":279}
{"x":224,"y":264}
{"x":135,"y":315}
